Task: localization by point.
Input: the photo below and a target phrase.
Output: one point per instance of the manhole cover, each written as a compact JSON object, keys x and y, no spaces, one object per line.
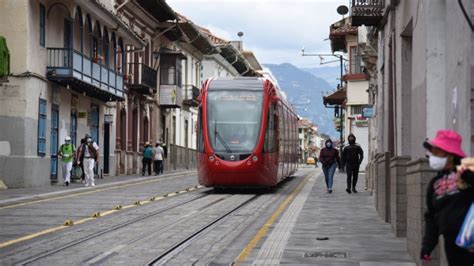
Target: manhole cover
{"x":338,"y":255}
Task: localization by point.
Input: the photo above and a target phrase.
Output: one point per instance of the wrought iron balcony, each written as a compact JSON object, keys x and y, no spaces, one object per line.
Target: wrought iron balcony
{"x":141,"y":77}
{"x":68,"y":67}
{"x":191,"y":94}
{"x":367,"y":12}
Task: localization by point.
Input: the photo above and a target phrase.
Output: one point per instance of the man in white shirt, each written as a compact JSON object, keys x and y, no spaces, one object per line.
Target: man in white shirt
{"x":158,"y":154}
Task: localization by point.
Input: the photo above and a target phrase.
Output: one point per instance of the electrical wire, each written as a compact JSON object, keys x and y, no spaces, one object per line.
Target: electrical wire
{"x":461,"y":5}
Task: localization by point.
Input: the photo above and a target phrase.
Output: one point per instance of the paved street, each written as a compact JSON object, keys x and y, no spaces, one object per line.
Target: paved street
{"x":279,"y":226}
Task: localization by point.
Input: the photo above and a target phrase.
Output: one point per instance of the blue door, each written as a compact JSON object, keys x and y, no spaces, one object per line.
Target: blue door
{"x":73,"y":133}
{"x":94,"y":123}
{"x":54,"y":142}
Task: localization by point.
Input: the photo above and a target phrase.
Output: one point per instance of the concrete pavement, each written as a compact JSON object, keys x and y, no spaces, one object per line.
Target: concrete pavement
{"x":335,"y":229}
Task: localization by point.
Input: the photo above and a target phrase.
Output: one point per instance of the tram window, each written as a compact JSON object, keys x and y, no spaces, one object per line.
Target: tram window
{"x":200,"y":139}
{"x":270,"y":134}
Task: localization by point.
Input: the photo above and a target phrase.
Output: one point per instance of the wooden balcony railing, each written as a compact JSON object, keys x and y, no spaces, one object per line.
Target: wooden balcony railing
{"x":367,"y":12}
{"x":68,"y":67}
{"x":191,"y":94}
{"x":141,"y":77}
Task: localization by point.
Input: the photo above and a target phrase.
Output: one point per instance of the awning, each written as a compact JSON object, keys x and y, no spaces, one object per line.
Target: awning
{"x":336,"y":98}
{"x":159,"y":9}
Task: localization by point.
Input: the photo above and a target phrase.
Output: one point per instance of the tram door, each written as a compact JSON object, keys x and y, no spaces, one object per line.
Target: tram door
{"x":54,"y":142}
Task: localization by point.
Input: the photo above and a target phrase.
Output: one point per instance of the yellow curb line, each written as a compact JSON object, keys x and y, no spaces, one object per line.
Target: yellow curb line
{"x":85,"y":193}
{"x":69,"y":223}
{"x":263,"y":230}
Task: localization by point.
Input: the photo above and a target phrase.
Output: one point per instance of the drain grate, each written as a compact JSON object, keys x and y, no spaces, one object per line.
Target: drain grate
{"x":337,"y":255}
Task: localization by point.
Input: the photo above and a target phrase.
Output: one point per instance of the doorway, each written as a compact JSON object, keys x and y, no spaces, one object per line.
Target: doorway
{"x":106,"y":147}
{"x":54,"y":142}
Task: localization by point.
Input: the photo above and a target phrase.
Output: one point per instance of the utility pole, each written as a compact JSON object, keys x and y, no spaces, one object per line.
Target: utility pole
{"x":339,"y":111}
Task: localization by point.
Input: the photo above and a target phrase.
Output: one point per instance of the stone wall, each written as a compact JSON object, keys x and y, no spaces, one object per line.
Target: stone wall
{"x":383,"y":186}
{"x":419,"y":175}
{"x":398,"y":194}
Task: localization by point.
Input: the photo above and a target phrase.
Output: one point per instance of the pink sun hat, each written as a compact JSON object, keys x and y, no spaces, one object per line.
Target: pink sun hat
{"x":448,"y":140}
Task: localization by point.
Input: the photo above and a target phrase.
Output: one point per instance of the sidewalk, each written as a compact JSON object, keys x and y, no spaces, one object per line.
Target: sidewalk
{"x":18,"y":195}
{"x":333,"y":229}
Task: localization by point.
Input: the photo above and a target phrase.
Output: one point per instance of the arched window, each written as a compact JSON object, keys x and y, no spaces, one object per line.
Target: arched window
{"x":87,"y":44}
{"x":78,"y":31}
{"x":97,"y":43}
{"x":105,"y":47}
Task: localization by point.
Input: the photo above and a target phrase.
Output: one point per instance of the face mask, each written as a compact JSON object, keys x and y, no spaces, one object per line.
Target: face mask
{"x":438,"y":163}
{"x":328,"y":145}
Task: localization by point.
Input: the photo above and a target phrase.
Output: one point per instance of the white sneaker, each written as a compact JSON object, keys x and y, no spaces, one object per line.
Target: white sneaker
{"x":92,"y":185}
{"x":87,"y":184}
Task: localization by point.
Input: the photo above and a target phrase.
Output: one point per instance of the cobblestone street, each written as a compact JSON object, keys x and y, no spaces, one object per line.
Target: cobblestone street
{"x":197,"y":225}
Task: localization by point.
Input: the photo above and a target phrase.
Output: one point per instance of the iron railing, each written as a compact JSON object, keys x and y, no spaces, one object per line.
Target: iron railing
{"x":140,"y":74}
{"x":367,"y":12}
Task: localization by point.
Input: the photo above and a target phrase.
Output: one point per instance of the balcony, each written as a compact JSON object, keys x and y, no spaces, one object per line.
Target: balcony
{"x":141,"y":78}
{"x":367,"y":12}
{"x":68,"y":67}
{"x":191,"y":94}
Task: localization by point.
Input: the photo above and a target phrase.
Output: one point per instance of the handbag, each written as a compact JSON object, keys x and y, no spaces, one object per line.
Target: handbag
{"x":465,"y":238}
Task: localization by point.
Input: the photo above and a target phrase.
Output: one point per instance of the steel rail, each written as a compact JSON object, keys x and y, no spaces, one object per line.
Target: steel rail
{"x":110,"y":229}
{"x":180,"y":245}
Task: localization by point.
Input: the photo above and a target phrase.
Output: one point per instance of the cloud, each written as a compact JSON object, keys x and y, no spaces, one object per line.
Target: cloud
{"x":275,"y":30}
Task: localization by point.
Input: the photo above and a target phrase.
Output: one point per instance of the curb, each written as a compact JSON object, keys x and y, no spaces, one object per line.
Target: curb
{"x":7,"y":202}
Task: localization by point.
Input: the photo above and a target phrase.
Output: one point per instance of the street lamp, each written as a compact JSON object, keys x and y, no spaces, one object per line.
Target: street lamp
{"x":338,"y":111}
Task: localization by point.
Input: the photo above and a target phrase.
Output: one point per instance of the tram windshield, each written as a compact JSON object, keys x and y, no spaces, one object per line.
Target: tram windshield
{"x":234,"y":119}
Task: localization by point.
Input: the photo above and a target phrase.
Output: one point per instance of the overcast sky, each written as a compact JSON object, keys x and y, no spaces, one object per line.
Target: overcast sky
{"x":275,"y":30}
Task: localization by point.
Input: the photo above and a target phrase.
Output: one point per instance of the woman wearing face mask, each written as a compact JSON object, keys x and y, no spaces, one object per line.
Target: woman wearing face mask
{"x":329,"y":158}
{"x":449,"y":196}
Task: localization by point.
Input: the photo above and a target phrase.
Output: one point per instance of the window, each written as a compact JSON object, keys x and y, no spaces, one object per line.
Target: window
{"x":42,"y":24}
{"x":356,"y":109}
{"x":42,"y":128}
{"x":271,"y":131}
{"x":170,"y":71}
{"x":200,"y":138}
{"x":355,"y":61}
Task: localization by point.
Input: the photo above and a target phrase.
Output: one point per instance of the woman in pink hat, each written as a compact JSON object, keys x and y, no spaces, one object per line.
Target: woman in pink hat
{"x":447,"y":201}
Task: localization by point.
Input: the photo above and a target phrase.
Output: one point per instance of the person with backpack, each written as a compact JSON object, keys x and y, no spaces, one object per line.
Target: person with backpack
{"x":88,"y":156}
{"x":147,"y":158}
{"x":352,"y":156}
{"x":66,"y":152}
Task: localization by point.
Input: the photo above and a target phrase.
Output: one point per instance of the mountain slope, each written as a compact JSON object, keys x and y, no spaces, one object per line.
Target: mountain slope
{"x":302,"y":86}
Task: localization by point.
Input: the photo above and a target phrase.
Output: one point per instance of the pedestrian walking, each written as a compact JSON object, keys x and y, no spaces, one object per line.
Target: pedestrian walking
{"x":449,"y":195}
{"x":147,"y":158}
{"x":158,"y":154}
{"x":66,"y":152}
{"x":89,"y":155}
{"x":80,"y":163}
{"x":329,"y":158}
{"x":352,"y":156}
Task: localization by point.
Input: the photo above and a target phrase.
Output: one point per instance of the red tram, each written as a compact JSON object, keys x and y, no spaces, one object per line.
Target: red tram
{"x":247,"y":134}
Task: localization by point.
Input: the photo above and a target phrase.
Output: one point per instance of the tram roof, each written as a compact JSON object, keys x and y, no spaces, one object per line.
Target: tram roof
{"x":240,"y":83}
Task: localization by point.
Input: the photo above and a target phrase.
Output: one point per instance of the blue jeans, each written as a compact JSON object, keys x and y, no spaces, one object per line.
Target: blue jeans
{"x":329,"y":174}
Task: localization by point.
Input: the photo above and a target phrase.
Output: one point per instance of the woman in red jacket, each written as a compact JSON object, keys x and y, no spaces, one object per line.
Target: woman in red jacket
{"x":329,"y":158}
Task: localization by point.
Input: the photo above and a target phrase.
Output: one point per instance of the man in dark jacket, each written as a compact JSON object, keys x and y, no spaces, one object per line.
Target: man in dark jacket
{"x":352,"y":156}
{"x":329,"y":158}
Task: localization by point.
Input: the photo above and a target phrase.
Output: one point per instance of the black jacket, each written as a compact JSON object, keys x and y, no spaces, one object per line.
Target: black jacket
{"x":352,"y":154}
{"x":447,"y":205}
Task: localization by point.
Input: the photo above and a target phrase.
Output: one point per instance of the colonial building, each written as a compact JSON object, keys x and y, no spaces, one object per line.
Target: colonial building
{"x":67,"y":77}
{"x":351,"y":40}
{"x":420,"y":58}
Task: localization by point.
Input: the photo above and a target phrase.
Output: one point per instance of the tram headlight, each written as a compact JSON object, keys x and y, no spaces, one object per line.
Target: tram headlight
{"x":254,"y":158}
{"x":211,"y":158}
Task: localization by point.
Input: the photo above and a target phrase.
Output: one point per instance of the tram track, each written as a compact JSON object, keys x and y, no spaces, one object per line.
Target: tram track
{"x":105,"y":231}
{"x":182,"y":244}
{"x":102,"y":257}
